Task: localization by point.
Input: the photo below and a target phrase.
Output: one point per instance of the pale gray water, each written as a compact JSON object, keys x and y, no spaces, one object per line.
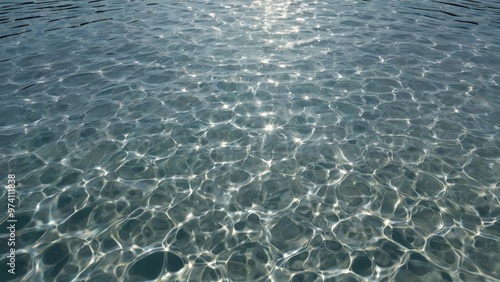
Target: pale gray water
{"x":251,"y":141}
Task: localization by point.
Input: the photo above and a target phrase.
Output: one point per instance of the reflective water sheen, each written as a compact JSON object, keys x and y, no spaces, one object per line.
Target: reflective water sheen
{"x":252,"y":140}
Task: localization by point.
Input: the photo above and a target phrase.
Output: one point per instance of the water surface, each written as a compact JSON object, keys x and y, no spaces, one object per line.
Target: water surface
{"x":252,"y":141}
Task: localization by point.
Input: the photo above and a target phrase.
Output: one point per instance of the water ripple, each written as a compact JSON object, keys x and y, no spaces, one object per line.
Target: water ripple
{"x":255,"y":141}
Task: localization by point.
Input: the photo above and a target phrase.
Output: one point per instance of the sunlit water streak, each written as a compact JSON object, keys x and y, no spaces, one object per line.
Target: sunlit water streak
{"x":252,"y":141}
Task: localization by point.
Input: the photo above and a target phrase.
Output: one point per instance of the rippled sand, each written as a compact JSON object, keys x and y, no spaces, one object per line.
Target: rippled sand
{"x":256,"y":141}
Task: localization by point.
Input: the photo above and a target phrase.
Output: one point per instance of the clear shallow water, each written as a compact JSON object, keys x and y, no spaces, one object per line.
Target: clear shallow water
{"x":252,"y":141}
